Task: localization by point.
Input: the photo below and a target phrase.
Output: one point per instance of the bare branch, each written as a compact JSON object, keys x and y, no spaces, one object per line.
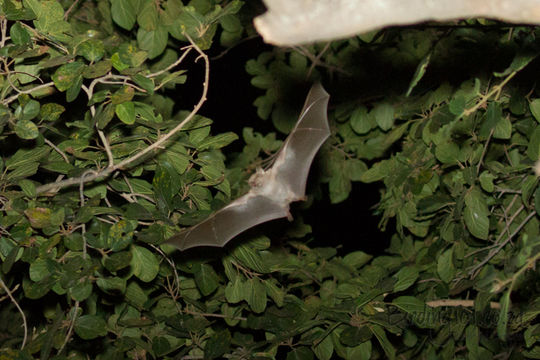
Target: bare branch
{"x":25,"y":326}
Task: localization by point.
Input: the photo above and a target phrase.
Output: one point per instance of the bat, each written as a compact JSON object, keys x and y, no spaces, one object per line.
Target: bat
{"x":271,"y":190}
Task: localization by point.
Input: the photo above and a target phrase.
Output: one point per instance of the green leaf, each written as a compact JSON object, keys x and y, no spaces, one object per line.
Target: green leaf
{"x":535,"y":109}
{"x":522,"y":59}
{"x":354,"y":336}
{"x":154,"y":41}
{"x":206,"y":279}
{"x":447,"y":152}
{"x":92,"y":50}
{"x":360,"y":121}
{"x":377,"y":172}
{"x":39,"y":217}
{"x":30,"y":110}
{"x":356,"y":259}
{"x":126,"y":112}
{"x":234,"y":291}
{"x":533,"y":150}
{"x":496,"y":122}
{"x":502,"y":323}
{"x":117,"y":261}
{"x":74,"y":89}
{"x":457,"y":105}
{"x":405,"y":278}
{"x":144,"y":263}
{"x":19,"y":35}
{"x":24,"y":156}
{"x":135,"y":295}
{"x":89,"y":327}
{"x":410,"y":305}
{"x":26,"y":129}
{"x":51,"y":111}
{"x":117,"y":63}
{"x":27,"y":73}
{"x":67,"y":75}
{"x":81,"y":291}
{"x":445,"y":266}
{"x":256,"y":295}
{"x":112,"y":285}
{"x":50,"y":19}
{"x":218,"y":141}
{"x":387,"y":346}
{"x":28,"y":188}
{"x":144,"y":82}
{"x":123,"y":13}
{"x":360,"y":352}
{"x":147,"y":17}
{"x":340,"y":187}
{"x":300,"y":353}
{"x":276,"y":293}
{"x":471,"y":339}
{"x":250,"y":258}
{"x":96,"y":70}
{"x":384,"y":115}
{"x":41,"y":269}
{"x":486,"y":181}
{"x":25,"y":170}
{"x":217,"y":345}
{"x":354,"y":169}
{"x":476,"y":214}
{"x":503,"y":129}
{"x":104,"y":115}
{"x":324,"y":349}
{"x":166,"y":185}
{"x":419,"y":73}
{"x":122,"y":95}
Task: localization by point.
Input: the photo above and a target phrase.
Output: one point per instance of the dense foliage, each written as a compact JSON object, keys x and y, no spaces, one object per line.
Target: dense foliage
{"x":445,"y":118}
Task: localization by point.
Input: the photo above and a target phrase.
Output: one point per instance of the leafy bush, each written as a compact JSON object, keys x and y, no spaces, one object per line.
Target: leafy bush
{"x":94,"y":180}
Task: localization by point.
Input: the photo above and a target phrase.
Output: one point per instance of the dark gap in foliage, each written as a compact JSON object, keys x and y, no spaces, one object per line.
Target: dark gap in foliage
{"x":350,"y":223}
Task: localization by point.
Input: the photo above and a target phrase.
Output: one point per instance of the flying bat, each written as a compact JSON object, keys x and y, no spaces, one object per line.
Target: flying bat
{"x":271,"y":190}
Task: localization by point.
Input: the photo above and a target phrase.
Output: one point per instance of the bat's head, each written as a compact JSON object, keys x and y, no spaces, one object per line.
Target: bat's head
{"x":256,"y":180}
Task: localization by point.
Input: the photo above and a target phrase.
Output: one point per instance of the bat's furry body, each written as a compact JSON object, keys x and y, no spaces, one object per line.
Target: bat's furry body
{"x":272,"y":190}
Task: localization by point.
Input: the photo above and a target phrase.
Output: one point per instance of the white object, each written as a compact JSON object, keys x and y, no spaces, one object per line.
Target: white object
{"x":294,"y":22}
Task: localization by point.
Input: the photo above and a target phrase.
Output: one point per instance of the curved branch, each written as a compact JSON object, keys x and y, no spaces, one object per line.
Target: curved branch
{"x":126,"y":163}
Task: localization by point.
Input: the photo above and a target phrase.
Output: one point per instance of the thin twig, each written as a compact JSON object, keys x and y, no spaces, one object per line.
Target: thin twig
{"x":25,"y":326}
{"x":505,"y":230}
{"x":484,"y":152}
{"x":3,"y":32}
{"x":224,"y":52}
{"x":174,"y":64}
{"x":29,"y":91}
{"x":174,"y":293}
{"x":496,"y":89}
{"x":455,"y":303}
{"x":317,"y":59}
{"x":476,"y":269}
{"x":110,"y":82}
{"x":48,"y":142}
{"x":191,"y":312}
{"x":126,"y":163}
{"x":71,"y":325}
{"x":66,"y":14}
{"x":107,"y":147}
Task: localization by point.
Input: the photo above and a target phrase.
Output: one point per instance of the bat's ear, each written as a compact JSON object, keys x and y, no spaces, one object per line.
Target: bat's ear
{"x":289,"y":216}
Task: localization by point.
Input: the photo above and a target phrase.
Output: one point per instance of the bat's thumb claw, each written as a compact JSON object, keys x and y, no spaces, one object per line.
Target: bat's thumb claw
{"x":289,"y":216}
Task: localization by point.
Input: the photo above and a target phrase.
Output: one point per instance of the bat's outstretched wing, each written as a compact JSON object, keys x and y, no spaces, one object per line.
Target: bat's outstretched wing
{"x":274,"y":189}
{"x":240,"y":215}
{"x":311,"y":131}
